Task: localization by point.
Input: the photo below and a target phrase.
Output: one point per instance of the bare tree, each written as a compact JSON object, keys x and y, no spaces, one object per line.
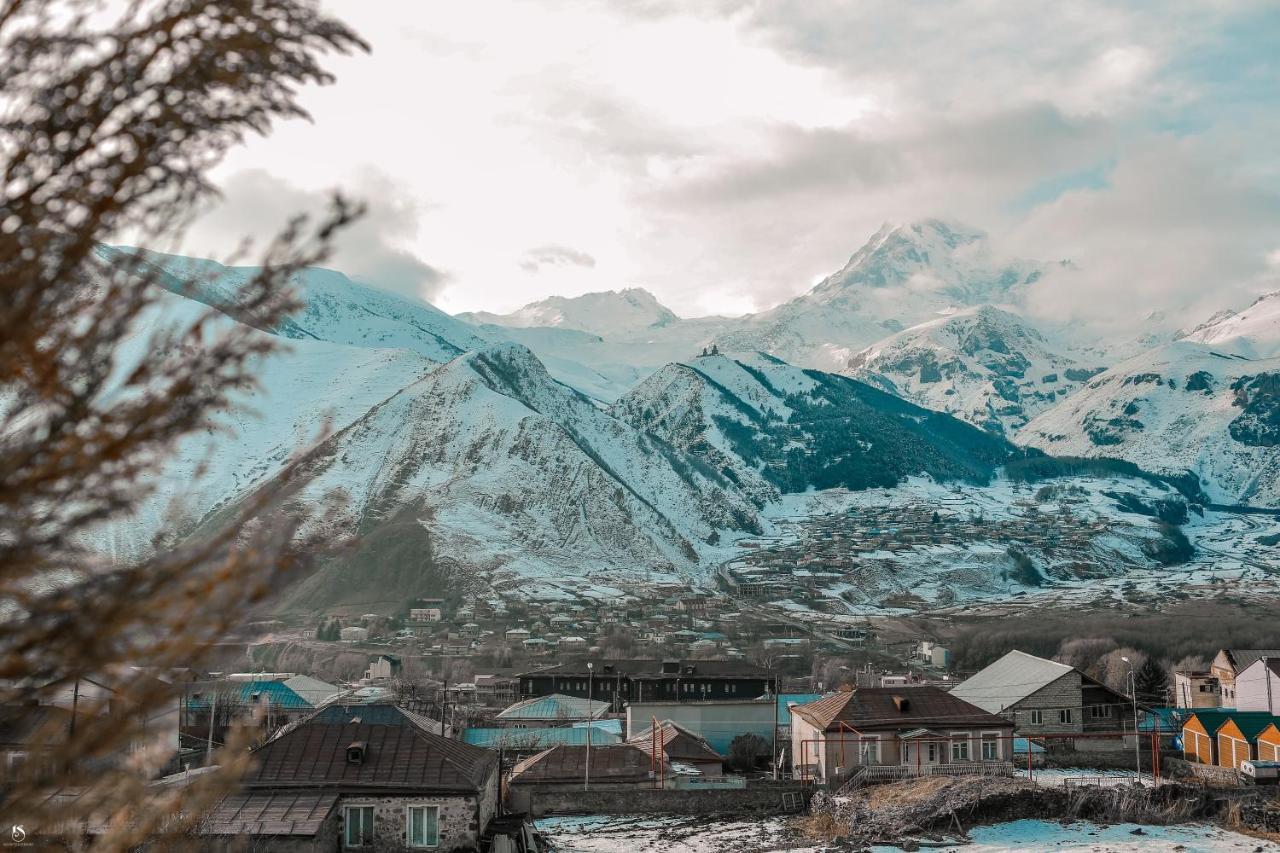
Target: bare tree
{"x":109,"y":127}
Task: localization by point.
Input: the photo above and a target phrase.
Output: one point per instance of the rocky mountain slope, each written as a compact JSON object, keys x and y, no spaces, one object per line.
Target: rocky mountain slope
{"x":985,"y":365}
{"x":1191,"y":405}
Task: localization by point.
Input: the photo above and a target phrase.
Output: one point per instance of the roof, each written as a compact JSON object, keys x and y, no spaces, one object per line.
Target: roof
{"x":1009,"y":680}
{"x":296,"y":813}
{"x":1250,"y":723}
{"x":557,"y":706}
{"x":652,"y":668}
{"x":622,"y":762}
{"x":526,"y":739}
{"x":612,"y":725}
{"x":881,"y":708}
{"x":1271,"y":663}
{"x":678,"y":743}
{"x":315,"y":754}
{"x":384,"y":714}
{"x":19,"y":724}
{"x":311,"y":689}
{"x":277,"y":693}
{"x":785,"y":699}
{"x":1241,"y":658}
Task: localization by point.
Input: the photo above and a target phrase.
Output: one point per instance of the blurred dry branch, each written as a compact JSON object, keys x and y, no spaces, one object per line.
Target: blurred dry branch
{"x":109,"y":125}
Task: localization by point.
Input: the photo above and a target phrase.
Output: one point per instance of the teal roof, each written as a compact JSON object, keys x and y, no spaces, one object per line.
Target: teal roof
{"x":251,"y":692}
{"x":784,"y":714}
{"x":612,"y":726}
{"x":557,"y":706}
{"x":538,"y":738}
{"x":1250,"y":723}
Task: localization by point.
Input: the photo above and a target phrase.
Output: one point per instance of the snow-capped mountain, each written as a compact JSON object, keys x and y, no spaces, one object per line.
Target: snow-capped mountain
{"x":776,"y":428}
{"x":903,"y":276}
{"x":335,"y":308}
{"x":1251,"y":333}
{"x":611,"y":314}
{"x":986,"y":365}
{"x":1207,"y":408}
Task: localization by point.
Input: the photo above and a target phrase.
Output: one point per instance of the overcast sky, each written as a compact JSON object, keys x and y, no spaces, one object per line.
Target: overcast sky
{"x":726,"y":155}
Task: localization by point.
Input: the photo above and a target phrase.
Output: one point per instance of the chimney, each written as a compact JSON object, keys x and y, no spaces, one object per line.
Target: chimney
{"x":356,"y":752}
{"x":902,"y":703}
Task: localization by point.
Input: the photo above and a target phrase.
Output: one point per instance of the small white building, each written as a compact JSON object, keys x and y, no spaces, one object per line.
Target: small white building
{"x":1196,"y":690}
{"x":1258,"y":686}
{"x":353,"y":634}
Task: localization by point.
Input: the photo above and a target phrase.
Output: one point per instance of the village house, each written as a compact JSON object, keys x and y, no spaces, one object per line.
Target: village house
{"x":353,"y":634}
{"x":717,"y":722}
{"x":677,"y":744}
{"x":554,"y":710}
{"x":1193,"y":689}
{"x":623,"y":681}
{"x":384,"y":668}
{"x":1257,"y":686}
{"x":1229,"y":663}
{"x":210,"y":709}
{"x":495,"y":689}
{"x":560,"y":773}
{"x":521,"y":743}
{"x":1269,"y":743}
{"x":325,"y":786}
{"x":1046,"y":698}
{"x":917,"y":729}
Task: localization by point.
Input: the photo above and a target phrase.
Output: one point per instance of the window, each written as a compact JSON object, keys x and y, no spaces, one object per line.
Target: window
{"x":1064,"y":715}
{"x":1037,"y":717}
{"x":990,"y":747}
{"x":933,"y":753}
{"x":960,"y":749}
{"x":423,"y":823}
{"x":357,"y":824}
{"x":870,"y":751}
{"x":1100,"y":712}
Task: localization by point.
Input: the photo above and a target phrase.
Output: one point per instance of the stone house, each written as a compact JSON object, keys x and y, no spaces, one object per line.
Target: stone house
{"x":1043,"y":697}
{"x":560,"y":775}
{"x":915,"y":728}
{"x":377,"y":786}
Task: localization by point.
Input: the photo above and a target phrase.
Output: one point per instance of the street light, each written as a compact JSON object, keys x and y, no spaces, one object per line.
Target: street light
{"x":1133,"y":692}
{"x":586,"y":779}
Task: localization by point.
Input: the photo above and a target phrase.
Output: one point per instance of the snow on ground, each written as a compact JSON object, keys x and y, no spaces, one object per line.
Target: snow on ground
{"x":675,"y":834}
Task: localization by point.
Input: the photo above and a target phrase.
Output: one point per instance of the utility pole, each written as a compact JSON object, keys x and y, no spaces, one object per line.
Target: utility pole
{"x":775,"y":728}
{"x":1133,"y":692}
{"x":586,"y":779}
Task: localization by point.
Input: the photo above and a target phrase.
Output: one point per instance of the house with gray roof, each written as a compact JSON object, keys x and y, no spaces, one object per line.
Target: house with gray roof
{"x":1044,"y":697}
{"x":554,"y":710}
{"x":1229,"y":663}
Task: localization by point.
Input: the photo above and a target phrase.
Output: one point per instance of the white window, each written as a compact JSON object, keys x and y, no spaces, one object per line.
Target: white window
{"x":423,"y":824}
{"x":990,"y":747}
{"x":357,"y":826}
{"x":1064,"y":715}
{"x":869,"y":750}
{"x":960,"y":747}
{"x":1037,"y":717}
{"x":933,"y":753}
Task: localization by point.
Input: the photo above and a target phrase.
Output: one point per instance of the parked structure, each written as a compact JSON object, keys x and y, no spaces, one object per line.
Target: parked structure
{"x":1044,"y":697}
{"x":1227,"y":737}
{"x":624,"y":681}
{"x":916,"y":728}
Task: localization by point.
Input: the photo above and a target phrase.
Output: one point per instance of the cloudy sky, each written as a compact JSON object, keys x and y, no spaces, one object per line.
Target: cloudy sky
{"x":725,"y":155}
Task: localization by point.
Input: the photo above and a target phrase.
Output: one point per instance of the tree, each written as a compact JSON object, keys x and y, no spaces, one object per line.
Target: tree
{"x":108,"y":128}
{"x":1152,"y":682}
{"x":1114,"y":670}
{"x":744,"y":750}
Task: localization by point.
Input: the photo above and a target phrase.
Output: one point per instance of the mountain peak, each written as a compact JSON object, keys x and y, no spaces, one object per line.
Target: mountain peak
{"x":607,"y":313}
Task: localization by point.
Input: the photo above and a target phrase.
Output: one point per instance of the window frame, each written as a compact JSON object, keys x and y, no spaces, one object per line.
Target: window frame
{"x":408,"y":825}
{"x":367,"y":839}
{"x":1099,"y":712}
{"x":960,"y":739}
{"x":1064,"y":717}
{"x":1037,"y":716}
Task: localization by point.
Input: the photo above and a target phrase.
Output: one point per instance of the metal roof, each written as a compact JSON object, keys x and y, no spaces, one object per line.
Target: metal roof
{"x":1243,"y":658}
{"x":653,"y":668}
{"x":275,"y":693}
{"x":538,"y":739}
{"x":621,"y":762}
{"x":557,"y":706}
{"x":296,"y":813}
{"x":1009,"y":680}
{"x":785,"y":699}
{"x":678,"y":743}
{"x":316,"y":754}
{"x":889,"y":708}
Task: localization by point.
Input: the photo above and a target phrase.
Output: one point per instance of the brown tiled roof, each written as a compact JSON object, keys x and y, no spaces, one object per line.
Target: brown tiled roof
{"x":315,"y":754}
{"x":621,"y":762}
{"x":300,"y":813}
{"x":871,"y":708}
{"x":678,"y":743}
